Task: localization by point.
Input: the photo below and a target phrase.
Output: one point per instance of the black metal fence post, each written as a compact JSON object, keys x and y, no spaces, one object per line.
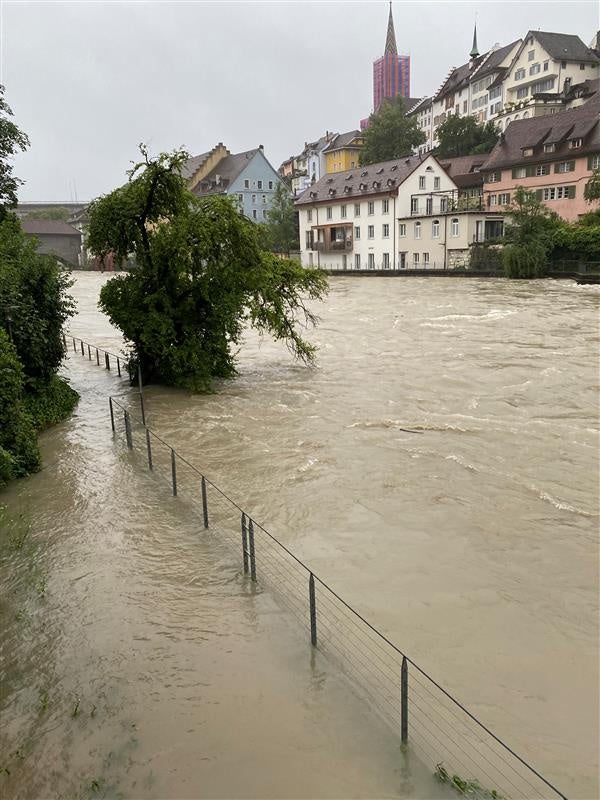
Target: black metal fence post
{"x":119,"y":367}
{"x":112,"y":414}
{"x":149,"y":449}
{"x":404,"y":700}
{"x":107,"y":360}
{"x":313,"y":610}
{"x":244,"y":544}
{"x":74,"y":347}
{"x":64,"y":338}
{"x":82,"y":348}
{"x":89,"y":352}
{"x":251,"y":548}
{"x":97,"y":357}
{"x":204,"y":502}
{"x":174,"y":472}
{"x":128,"y":430}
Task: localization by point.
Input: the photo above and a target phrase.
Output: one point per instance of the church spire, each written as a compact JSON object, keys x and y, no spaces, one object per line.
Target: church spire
{"x":474,"y":50}
{"x":390,"y":40}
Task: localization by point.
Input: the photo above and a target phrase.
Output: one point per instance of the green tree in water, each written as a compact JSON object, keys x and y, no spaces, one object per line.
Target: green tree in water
{"x":201,"y":275}
{"x":528,"y":236}
{"x":464,"y":136}
{"x":282,"y":222}
{"x":391,"y":134}
{"x":12,"y":139}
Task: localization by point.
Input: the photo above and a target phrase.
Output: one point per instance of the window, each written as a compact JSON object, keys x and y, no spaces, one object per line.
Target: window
{"x":371,"y":208}
{"x":264,"y":198}
{"x":582,"y":66}
{"x":531,"y":55}
{"x":309,"y":240}
{"x":594,"y":161}
{"x":574,"y":143}
{"x":371,"y":232}
{"x":415,"y":258}
{"x":436,"y":183}
{"x":371,"y":258}
{"x":414,"y":205}
{"x":310,"y":259}
{"x":386,"y":260}
{"x":522,"y":92}
{"x":520,"y":74}
{"x":421,"y":181}
{"x":543,"y":86}
{"x":264,"y":213}
{"x":550,"y":193}
{"x":429,"y":205}
{"x":493,"y":199}
{"x":542,"y":169}
{"x":534,"y":69}
{"x":270,"y":184}
{"x":254,"y":213}
{"x":519,"y":172}
{"x":241,"y":198}
{"x":309,"y":215}
{"x":494,"y":177}
{"x":357,"y":209}
{"x":357,"y":232}
{"x":565,"y":192}
{"x":343,"y":212}
{"x":385,"y":231}
{"x":495,"y":92}
{"x":504,"y":199}
{"x":563,"y":64}
{"x":465,"y":105}
{"x":259,"y":184}
{"x":565,"y":166}
{"x":549,"y":148}
{"x":357,"y":261}
{"x":385,"y":207}
{"x":254,"y":198}
{"x":246,"y":184}
{"x":443,"y":205}
{"x":435,"y":229}
{"x":546,"y":64}
{"x":417,"y":230}
{"x":454,"y":227}
{"x":402,"y":229}
{"x":425,"y":259}
{"x":329,"y":212}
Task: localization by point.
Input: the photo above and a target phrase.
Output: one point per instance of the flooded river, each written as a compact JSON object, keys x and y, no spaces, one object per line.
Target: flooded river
{"x":439,"y":468}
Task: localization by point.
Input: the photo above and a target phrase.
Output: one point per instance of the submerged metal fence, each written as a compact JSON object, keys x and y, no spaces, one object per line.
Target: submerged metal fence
{"x":428,"y":720}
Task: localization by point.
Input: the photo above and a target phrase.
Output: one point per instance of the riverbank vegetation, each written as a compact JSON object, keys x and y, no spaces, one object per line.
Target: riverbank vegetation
{"x":202,"y":274}
{"x":34,"y":306}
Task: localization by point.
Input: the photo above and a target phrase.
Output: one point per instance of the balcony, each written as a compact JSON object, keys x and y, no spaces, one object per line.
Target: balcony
{"x":336,"y":238}
{"x":332,"y":247}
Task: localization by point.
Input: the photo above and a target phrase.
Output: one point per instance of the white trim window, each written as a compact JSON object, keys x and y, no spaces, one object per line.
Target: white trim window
{"x":414,"y":205}
{"x":435,"y":229}
{"x":493,"y":200}
{"x":329,"y":212}
{"x":371,"y":261}
{"x":422,"y":183}
{"x":385,"y":231}
{"x":385,"y":206}
{"x":254,"y":198}
{"x":504,"y":199}
{"x":416,"y":259}
{"x":402,"y":229}
{"x":371,"y":208}
{"x":357,"y":261}
{"x":357,"y":209}
{"x":566,"y":166}
{"x":371,"y":232}
{"x":254,"y":214}
{"x":436,"y":183}
{"x":386,"y":260}
{"x":343,"y":211}
{"x":520,"y":74}
{"x":270,"y":184}
{"x":454,"y":227}
{"x":309,"y":215}
{"x":417,"y":230}
{"x":425,"y":259}
{"x":357,"y":232}
{"x":259,"y":184}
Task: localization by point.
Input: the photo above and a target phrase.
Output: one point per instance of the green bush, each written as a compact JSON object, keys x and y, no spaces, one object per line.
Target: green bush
{"x":51,"y":405}
{"x":524,"y":260}
{"x":19,"y":453}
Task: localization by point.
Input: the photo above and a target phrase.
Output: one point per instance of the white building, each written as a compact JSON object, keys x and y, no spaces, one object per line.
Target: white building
{"x":348,"y":220}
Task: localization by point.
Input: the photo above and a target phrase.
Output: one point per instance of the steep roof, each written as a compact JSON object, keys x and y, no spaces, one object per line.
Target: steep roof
{"x":227,"y":170}
{"x":564,"y":46}
{"x":558,"y":129}
{"x":459,"y":77}
{"x":361,"y":182}
{"x":420,"y":105}
{"x":390,"y":39}
{"x":411,"y":102}
{"x":41,"y":227}
{"x":190,"y":167}
{"x":465,"y":170}
{"x":494,"y":59}
{"x":343,"y":140}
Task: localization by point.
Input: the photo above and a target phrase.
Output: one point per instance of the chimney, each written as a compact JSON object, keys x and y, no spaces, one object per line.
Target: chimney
{"x":260,"y":147}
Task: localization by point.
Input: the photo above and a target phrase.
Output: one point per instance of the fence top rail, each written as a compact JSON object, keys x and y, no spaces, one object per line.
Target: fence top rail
{"x":352,"y":610}
{"x":94,"y":347}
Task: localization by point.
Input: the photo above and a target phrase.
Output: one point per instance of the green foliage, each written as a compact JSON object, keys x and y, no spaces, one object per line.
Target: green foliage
{"x":391,"y":134}
{"x":12,"y":140}
{"x":591,"y":190}
{"x":19,"y":453}
{"x":524,"y":260}
{"x":53,"y":403}
{"x":56,"y":213}
{"x":201,"y":274}
{"x":528,"y":235}
{"x":578,"y":241}
{"x":463,"y":136}
{"x":485,"y":257}
{"x":468,"y":788}
{"x":282,"y":221}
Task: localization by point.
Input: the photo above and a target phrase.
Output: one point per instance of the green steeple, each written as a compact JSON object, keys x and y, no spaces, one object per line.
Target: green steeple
{"x":474,"y":50}
{"x":390,"y":40}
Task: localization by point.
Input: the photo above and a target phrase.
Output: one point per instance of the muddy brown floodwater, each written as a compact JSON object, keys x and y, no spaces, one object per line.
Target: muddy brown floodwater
{"x":138,"y":664}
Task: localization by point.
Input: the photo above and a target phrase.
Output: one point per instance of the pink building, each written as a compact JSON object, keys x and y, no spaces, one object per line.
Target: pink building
{"x":391,"y":72}
{"x":553,"y":155}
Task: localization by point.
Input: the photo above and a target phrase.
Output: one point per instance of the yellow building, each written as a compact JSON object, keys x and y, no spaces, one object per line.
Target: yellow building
{"x":342,"y":154}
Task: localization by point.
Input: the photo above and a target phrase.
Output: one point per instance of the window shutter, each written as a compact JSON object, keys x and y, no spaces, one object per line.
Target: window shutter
{"x":572,"y":190}
{"x":530,"y":171}
{"x":556,"y":167}
{"x":514,"y":173}
{"x":590,"y":162}
{"x":571,"y":166}
{"x":538,"y":194}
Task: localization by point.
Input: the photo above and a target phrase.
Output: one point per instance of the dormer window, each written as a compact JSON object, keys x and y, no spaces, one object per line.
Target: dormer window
{"x":528,"y":151}
{"x":379,"y":171}
{"x":347,"y":189}
{"x":329,"y":180}
{"x":332,"y":191}
{"x":574,"y":143}
{"x":349,"y":176}
{"x":365,"y":172}
{"x":376,"y":184}
{"x":391,"y":181}
{"x":549,"y":148}
{"x":362,"y":186}
{"x":394,"y":168}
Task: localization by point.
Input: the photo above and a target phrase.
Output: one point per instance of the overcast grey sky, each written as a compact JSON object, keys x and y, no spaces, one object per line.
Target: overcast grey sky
{"x":88,"y":81}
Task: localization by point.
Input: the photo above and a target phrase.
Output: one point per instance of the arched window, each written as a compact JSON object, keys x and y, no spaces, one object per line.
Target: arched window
{"x":454,"y":227}
{"x":525,"y":114}
{"x":435,"y":229}
{"x":417,"y":230}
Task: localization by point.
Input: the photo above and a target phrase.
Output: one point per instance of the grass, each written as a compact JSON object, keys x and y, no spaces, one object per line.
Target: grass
{"x":468,"y":788}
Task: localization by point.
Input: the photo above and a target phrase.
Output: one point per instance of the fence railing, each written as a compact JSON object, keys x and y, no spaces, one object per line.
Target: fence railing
{"x":458,"y":747}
